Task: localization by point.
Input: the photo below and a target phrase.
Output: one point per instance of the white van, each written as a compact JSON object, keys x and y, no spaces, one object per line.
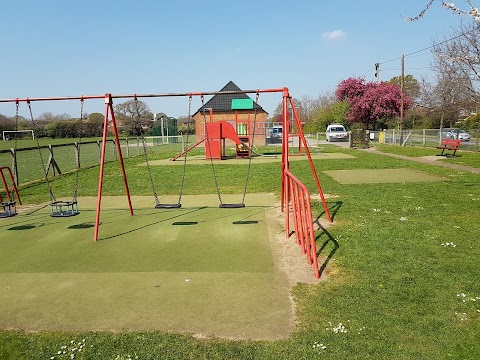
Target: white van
{"x":274,"y":134}
{"x":277,"y":132}
{"x":336,"y":132}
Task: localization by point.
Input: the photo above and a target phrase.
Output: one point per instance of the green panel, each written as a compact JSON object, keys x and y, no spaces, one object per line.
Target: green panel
{"x":242,"y":104}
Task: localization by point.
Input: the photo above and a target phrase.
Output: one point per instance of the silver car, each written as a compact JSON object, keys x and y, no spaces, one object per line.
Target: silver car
{"x":453,"y":134}
{"x":336,"y":132}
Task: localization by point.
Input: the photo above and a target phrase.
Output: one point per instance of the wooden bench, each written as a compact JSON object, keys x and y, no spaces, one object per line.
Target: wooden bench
{"x":452,"y":145}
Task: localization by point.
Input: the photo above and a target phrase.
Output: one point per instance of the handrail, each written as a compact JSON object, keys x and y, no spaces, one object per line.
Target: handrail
{"x":298,"y":194}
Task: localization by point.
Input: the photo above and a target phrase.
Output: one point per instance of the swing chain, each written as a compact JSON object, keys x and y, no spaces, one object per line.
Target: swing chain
{"x":75,"y":193}
{"x":207,"y":139}
{"x":251,"y":146}
{"x":15,"y":151}
{"x":145,"y":150}
{"x":186,"y":146}
{"x":45,"y":173}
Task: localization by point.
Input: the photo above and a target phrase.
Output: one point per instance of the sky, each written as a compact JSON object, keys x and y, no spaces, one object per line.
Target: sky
{"x":54,"y":48}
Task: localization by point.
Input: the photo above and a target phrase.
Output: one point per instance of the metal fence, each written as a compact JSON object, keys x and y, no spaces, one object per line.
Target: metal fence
{"x":422,"y":137}
{"x":28,"y":163}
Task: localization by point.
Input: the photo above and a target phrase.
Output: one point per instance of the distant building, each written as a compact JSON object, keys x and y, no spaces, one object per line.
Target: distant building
{"x":221,"y":110}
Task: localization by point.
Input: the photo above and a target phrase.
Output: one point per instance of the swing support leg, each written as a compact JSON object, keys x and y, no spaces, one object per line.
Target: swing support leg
{"x":109,"y":110}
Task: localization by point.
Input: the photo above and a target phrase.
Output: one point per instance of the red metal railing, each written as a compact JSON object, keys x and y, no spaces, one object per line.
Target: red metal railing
{"x":298,"y":195}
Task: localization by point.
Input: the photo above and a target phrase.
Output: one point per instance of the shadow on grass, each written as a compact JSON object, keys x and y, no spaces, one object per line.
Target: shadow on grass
{"x":329,"y":239}
{"x":332,"y":209}
{"x":335,"y":208}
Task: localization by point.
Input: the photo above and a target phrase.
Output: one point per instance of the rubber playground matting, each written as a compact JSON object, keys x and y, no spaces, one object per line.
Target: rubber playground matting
{"x":198,"y":269}
{"x":200,"y":159}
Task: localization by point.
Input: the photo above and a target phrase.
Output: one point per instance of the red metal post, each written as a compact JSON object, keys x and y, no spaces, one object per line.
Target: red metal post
{"x":108,"y":100}
{"x":14,"y":186}
{"x":120,"y":157}
{"x":309,"y":156}
{"x":285,"y":165}
{"x":296,"y":213}
{"x":187,"y":150}
{"x":285,"y":201}
{"x":108,"y":110}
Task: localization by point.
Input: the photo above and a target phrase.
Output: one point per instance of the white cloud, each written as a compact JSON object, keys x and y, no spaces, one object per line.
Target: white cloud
{"x":334,"y":35}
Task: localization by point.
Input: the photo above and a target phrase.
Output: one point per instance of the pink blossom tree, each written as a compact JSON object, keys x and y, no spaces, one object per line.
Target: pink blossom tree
{"x":371,"y":101}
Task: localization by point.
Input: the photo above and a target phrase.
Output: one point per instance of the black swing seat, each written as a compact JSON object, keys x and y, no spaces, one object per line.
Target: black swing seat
{"x":9,"y":209}
{"x":231,"y":206}
{"x":63,"y":208}
{"x":168,"y":206}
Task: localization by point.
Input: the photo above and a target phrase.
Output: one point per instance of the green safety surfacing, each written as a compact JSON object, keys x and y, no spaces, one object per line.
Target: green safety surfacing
{"x":198,"y":269}
{"x":200,"y":159}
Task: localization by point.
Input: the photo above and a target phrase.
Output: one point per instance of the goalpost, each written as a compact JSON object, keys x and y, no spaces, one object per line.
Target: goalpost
{"x":5,"y":138}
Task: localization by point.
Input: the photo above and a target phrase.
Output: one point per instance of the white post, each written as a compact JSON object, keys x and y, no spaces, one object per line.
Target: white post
{"x":161,"y":129}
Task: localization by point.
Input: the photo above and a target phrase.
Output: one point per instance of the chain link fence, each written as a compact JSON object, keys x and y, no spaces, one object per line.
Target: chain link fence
{"x":423,"y":137}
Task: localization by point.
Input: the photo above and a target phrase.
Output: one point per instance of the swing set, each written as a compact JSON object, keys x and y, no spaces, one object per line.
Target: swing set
{"x":295,"y":197}
{"x":8,"y":208}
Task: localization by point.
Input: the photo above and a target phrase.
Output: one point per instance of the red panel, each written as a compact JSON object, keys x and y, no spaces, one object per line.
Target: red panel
{"x":213,"y":130}
{"x":213,"y":149}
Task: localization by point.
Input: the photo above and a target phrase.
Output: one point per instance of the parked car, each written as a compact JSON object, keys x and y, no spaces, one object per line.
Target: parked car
{"x":274,"y":134}
{"x":453,"y":134}
{"x":336,"y":132}
{"x":277,"y":132}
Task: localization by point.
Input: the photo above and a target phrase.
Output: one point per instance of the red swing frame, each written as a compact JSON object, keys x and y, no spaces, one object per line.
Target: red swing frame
{"x":295,"y":197}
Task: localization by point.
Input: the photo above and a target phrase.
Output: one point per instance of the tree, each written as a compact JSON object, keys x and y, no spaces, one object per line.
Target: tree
{"x":459,"y":57}
{"x":340,"y":111}
{"x":96,"y":118}
{"x":371,"y":102}
{"x":6,"y":123}
{"x":450,"y":96}
{"x":135,"y":115}
{"x":310,"y":111}
{"x":473,"y":11}
{"x":473,"y":122}
{"x":335,"y":112}
{"x":92,"y":125}
{"x":277,"y":113}
{"x":320,"y":120}
{"x":310,"y":106}
{"x":411,"y":86}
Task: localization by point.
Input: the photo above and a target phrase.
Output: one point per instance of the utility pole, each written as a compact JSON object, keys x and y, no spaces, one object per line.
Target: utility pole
{"x":401,"y":99}
{"x":377,"y":72}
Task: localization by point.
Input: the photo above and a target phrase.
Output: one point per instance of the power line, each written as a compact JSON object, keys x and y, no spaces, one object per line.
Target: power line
{"x":367,"y":72}
{"x":424,"y":49}
{"x":410,"y":68}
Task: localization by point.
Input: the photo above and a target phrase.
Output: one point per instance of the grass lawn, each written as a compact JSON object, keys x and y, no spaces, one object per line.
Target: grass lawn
{"x":402,"y":278}
{"x":462,"y":157}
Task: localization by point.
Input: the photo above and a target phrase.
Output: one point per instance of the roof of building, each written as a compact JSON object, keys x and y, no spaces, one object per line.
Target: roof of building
{"x":223,"y":102}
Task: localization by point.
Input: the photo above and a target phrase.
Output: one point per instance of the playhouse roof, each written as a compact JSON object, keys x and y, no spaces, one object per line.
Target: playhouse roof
{"x":223,"y":102}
